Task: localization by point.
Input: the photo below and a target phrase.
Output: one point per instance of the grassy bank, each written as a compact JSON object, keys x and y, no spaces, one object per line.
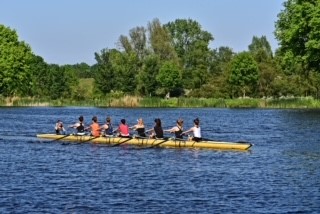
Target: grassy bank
{"x":132,"y":101}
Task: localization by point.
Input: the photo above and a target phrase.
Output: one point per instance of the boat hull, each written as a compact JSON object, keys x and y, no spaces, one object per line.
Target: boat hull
{"x":145,"y":142}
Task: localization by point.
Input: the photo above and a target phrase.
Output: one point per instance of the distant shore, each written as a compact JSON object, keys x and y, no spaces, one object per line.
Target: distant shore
{"x":154,"y":102}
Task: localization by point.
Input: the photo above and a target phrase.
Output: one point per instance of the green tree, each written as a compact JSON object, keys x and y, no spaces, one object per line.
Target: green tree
{"x":146,"y":79}
{"x":192,"y":46}
{"x":62,"y":80}
{"x":161,"y":42}
{"x":15,"y":59}
{"x":105,"y":75}
{"x":169,"y":78}
{"x":83,"y":70}
{"x":260,"y":49}
{"x":116,"y":71}
{"x":298,"y":32}
{"x":244,"y":73}
{"x":40,"y":80}
{"x":137,"y":42}
{"x":220,"y":59}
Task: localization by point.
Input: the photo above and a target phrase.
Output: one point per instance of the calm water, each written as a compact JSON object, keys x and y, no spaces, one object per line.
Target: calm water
{"x":281,"y":173}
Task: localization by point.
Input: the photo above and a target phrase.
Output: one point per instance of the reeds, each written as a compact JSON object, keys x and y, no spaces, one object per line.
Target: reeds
{"x":156,"y":102}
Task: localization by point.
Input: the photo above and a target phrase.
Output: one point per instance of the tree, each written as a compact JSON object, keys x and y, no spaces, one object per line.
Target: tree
{"x":146,"y":79}
{"x":137,"y":42}
{"x":105,"y":75}
{"x":169,"y":78}
{"x":220,"y":59}
{"x":40,"y":80}
{"x":261,"y":49}
{"x":192,"y":46}
{"x":160,"y":41}
{"x":15,"y":59}
{"x":244,"y":73}
{"x":116,"y":71}
{"x":298,"y":32}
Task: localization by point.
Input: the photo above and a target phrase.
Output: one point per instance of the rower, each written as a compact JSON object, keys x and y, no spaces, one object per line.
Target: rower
{"x":177,"y":130}
{"x":79,"y":126}
{"x":157,"y":131}
{"x":59,"y":128}
{"x":123,"y":129}
{"x":108,"y":128}
{"x":196,"y":131}
{"x":139,"y":127}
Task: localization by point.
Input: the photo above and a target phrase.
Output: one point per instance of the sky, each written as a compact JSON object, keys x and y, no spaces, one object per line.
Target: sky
{"x":71,"y":31}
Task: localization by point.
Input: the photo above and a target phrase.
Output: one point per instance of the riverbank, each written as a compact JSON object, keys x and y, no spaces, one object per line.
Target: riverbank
{"x":140,"y":102}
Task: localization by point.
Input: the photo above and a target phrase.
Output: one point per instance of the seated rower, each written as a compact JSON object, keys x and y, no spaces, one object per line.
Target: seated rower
{"x":177,"y":130}
{"x":123,"y":129}
{"x":107,"y":127}
{"x":59,"y":128}
{"x":196,"y":131}
{"x":157,"y":131}
{"x":79,"y":126}
{"x":94,"y":127}
{"x":139,"y":127}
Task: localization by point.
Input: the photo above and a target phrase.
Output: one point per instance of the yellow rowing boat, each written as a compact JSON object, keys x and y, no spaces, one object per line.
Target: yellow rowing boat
{"x":170,"y":143}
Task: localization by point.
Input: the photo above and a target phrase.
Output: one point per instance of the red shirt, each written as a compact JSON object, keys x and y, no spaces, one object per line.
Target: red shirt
{"x":124,"y":130}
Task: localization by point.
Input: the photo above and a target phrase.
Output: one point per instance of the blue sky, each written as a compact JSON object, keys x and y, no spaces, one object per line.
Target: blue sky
{"x":71,"y":31}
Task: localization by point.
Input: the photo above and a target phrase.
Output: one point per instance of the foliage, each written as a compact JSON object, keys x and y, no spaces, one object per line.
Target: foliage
{"x":105,"y":78}
{"x":15,"y":59}
{"x":261,"y":49}
{"x":146,"y":79}
{"x":169,"y":78}
{"x":191,"y":44}
{"x":244,"y":73}
{"x":161,"y":42}
{"x":298,"y":32}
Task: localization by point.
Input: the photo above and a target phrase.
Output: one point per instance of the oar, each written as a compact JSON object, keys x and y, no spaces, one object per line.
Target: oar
{"x":60,"y":138}
{"x":90,"y":139}
{"x":158,"y":144}
{"x":118,"y":144}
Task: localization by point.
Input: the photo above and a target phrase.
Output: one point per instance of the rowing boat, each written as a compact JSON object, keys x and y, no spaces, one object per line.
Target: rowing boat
{"x":170,"y":143}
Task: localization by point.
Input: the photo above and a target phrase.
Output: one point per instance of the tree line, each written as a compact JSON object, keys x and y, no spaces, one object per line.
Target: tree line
{"x":175,"y":59}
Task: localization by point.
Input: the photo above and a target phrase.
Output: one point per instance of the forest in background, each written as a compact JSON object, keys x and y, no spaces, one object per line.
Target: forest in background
{"x":174,"y":60}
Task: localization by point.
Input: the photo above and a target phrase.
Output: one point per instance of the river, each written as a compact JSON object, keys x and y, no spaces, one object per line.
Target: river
{"x":280,"y":173}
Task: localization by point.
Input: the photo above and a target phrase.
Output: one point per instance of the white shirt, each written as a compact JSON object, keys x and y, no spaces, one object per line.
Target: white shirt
{"x":196,"y":132}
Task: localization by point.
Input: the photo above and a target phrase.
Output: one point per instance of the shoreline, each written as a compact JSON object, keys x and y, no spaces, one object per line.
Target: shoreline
{"x":153,"y":102}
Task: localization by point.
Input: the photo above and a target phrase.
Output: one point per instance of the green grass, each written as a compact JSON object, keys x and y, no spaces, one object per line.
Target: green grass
{"x":133,"y":102}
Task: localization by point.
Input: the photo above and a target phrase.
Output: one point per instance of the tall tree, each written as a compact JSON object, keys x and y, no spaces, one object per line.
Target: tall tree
{"x":136,"y":43}
{"x":260,"y":49}
{"x":192,"y":46}
{"x":244,"y":73}
{"x":161,"y":42}
{"x":105,"y":75}
{"x":15,"y":59}
{"x":169,"y":78}
{"x":146,"y":79}
{"x":298,"y":32}
{"x":139,"y":41}
{"x":220,"y":58}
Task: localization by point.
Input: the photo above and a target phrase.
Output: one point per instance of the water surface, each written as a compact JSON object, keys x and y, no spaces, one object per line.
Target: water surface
{"x":280,"y":174}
